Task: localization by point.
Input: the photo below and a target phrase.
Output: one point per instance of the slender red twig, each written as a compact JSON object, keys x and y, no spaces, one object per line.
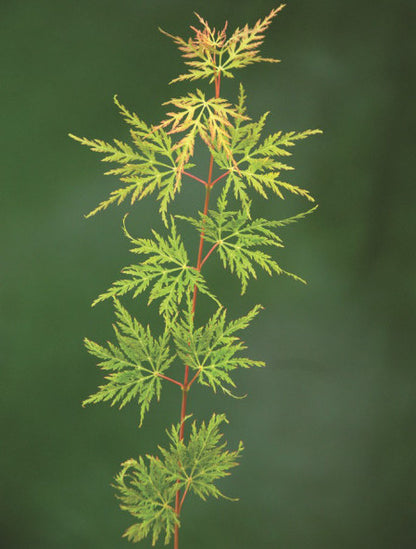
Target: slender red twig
{"x":220,"y":177}
{"x":209,"y":253}
{"x":194,"y":378}
{"x":194,"y":177}
{"x":170,"y":379}
{"x":184,"y":495}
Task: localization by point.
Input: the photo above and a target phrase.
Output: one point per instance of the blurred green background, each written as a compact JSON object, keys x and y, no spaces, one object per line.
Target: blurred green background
{"x":329,"y":424}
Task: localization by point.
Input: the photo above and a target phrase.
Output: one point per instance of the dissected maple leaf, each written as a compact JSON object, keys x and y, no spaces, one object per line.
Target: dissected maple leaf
{"x":209,"y":53}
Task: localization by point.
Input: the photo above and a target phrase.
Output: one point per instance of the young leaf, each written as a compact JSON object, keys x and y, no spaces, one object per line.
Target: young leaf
{"x":135,"y":363}
{"x":200,"y":52}
{"x":242,"y":48}
{"x":209,"y":53}
{"x":197,"y":116}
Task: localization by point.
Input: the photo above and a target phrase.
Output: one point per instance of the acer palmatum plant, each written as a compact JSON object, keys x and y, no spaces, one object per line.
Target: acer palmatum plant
{"x":159,"y":160}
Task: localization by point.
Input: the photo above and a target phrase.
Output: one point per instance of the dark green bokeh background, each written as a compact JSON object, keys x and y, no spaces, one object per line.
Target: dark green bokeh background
{"x":329,"y":424}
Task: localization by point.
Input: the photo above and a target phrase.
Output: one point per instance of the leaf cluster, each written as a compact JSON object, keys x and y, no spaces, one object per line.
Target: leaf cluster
{"x":136,"y":364}
{"x":159,"y":155}
{"x":147,"y":488}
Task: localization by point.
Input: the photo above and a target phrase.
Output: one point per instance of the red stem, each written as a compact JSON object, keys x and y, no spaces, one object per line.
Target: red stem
{"x":170,"y":379}
{"x":194,"y":177}
{"x":183,"y":497}
{"x":220,"y":177}
{"x":193,"y":379}
{"x":209,"y":253}
{"x":186,"y":385}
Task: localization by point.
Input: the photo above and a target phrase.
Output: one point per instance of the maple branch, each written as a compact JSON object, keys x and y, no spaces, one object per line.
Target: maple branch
{"x":194,"y":177}
{"x":153,"y":489}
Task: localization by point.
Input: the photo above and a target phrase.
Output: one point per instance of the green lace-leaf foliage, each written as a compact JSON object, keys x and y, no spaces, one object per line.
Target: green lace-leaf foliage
{"x":147,"y":489}
{"x":237,"y":239}
{"x":149,"y":164}
{"x":134,"y":363}
{"x":256,"y":165}
{"x":211,"y":349}
{"x":203,"y":460}
{"x":167,"y":271}
{"x":147,"y":493}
